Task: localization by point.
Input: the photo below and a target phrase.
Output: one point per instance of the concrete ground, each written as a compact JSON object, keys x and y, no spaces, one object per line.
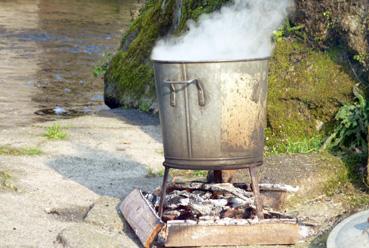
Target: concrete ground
{"x":108,"y":154}
{"x":68,"y":195}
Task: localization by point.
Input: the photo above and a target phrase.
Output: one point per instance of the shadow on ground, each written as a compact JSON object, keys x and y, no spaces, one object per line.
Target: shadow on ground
{"x":104,"y":173}
{"x":148,"y":123}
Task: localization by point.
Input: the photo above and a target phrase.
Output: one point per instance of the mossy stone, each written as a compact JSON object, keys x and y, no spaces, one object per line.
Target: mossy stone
{"x":306,"y":88}
{"x":129,"y":80}
{"x":129,"y":77}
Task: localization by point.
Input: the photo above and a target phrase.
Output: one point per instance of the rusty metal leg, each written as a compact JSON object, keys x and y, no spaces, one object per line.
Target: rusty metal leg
{"x":217,"y":176}
{"x":163,"y":191}
{"x":255,"y":188}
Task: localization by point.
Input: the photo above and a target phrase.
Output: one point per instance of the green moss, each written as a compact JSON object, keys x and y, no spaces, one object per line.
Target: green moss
{"x":346,"y":182}
{"x":144,"y":106}
{"x":340,"y":187}
{"x":134,"y":79}
{"x":101,"y":67}
{"x":129,"y":79}
{"x":336,"y":183}
{"x":303,"y":146}
{"x":15,"y":151}
{"x":6,"y":181}
{"x":335,"y":178}
{"x":306,"y":88}
{"x":189,"y":174}
{"x":130,"y":71}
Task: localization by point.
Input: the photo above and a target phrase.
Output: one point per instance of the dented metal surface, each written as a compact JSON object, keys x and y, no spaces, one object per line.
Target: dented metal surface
{"x":212,"y":113}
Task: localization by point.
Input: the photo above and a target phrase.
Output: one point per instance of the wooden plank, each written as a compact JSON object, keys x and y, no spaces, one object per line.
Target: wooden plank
{"x":185,"y":235}
{"x":141,"y":217}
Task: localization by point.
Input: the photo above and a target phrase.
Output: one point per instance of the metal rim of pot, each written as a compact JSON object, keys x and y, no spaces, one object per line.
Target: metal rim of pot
{"x":207,"y":61}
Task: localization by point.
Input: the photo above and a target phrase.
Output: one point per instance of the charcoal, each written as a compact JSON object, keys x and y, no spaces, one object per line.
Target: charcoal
{"x":215,"y":203}
{"x":202,"y":194}
{"x":196,"y":198}
{"x":206,"y":209}
{"x":181,"y":193}
{"x":229,"y":188}
{"x":171,"y":215}
{"x":185,"y":186}
{"x":153,"y":199}
{"x":157,"y":191}
{"x":235,"y":213}
{"x":177,"y":202}
{"x":244,"y":186}
{"x":218,"y":202}
{"x":156,"y":201}
{"x":236,"y":202}
{"x":187,"y":214}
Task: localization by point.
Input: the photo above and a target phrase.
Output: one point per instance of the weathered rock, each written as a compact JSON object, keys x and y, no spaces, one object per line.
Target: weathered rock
{"x":104,"y":213}
{"x":70,"y":213}
{"x":300,"y":94}
{"x":87,"y":236}
{"x":300,"y":98}
{"x":343,"y":21}
{"x":129,"y":78}
{"x":310,"y":172}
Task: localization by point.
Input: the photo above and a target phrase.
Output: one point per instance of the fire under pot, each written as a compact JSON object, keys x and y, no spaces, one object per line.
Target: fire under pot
{"x":213,"y":115}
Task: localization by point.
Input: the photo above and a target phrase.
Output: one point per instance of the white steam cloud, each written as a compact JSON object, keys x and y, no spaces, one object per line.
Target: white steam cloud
{"x":241,"y":30}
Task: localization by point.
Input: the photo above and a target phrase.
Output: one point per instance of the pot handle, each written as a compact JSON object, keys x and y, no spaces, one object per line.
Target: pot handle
{"x":172,"y":87}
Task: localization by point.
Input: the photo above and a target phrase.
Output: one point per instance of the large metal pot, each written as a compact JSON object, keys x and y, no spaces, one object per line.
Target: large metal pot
{"x":212,"y":113}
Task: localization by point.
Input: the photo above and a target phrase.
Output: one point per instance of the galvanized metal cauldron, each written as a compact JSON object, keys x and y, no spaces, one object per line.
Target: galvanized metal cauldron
{"x":212,"y":113}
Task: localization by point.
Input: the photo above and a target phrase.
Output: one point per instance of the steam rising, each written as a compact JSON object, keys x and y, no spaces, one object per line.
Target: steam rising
{"x":241,"y":30}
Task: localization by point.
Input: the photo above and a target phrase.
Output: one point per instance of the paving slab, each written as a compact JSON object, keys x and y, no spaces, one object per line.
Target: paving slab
{"x":105,"y":214}
{"x":87,"y":236}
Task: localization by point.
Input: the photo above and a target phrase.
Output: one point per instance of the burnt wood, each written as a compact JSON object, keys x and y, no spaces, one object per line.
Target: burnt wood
{"x":141,"y":217}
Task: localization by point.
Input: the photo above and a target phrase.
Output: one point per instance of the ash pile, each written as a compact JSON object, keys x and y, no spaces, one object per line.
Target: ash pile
{"x":224,"y":202}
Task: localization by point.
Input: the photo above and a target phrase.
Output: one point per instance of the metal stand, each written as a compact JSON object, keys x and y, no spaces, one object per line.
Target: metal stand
{"x":256,"y":190}
{"x":163,"y":192}
{"x":254,"y":184}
